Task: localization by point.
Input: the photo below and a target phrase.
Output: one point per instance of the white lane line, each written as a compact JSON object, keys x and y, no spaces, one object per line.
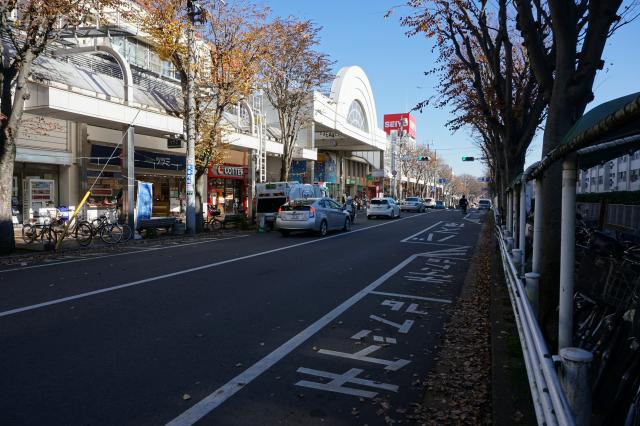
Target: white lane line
{"x":410,"y":296}
{"x":418,"y":233}
{"x":137,"y":250}
{"x":182,"y":272}
{"x":432,"y":244}
{"x":211,"y":402}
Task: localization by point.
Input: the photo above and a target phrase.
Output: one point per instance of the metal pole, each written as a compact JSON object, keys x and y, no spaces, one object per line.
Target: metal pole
{"x":574,"y":378}
{"x":532,"y":279}
{"x":131,"y":177}
{"x":523,"y":222}
{"x":537,"y":228}
{"x":394,"y":172}
{"x":509,"y":211}
{"x":567,"y":252}
{"x":191,"y":125}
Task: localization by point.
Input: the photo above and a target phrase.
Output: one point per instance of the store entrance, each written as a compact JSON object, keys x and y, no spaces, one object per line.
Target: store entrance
{"x":227,"y":195}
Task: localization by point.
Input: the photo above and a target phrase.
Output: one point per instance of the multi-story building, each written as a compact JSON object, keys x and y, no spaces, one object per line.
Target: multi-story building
{"x":620,"y":174}
{"x":100,"y":86}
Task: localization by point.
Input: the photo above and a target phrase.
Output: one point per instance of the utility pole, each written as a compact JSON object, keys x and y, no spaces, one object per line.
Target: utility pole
{"x":191,"y":121}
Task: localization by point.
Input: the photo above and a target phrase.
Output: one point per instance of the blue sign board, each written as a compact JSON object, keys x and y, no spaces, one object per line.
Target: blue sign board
{"x":101,"y":154}
{"x":144,"y":203}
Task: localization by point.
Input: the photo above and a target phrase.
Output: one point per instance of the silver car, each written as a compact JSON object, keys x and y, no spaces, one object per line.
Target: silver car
{"x":383,"y":207}
{"x":320,"y":215}
{"x":412,"y":204}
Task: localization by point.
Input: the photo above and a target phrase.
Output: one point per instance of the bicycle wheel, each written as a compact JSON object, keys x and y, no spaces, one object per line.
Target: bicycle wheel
{"x":126,"y":233}
{"x":112,"y":234}
{"x":49,"y":236}
{"x":84,"y":233}
{"x":29,"y":233}
{"x":216,"y":225}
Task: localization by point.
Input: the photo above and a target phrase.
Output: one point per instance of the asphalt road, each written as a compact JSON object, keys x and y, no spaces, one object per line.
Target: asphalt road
{"x":251,"y":329}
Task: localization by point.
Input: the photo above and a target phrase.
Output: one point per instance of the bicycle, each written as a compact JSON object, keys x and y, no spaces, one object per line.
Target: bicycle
{"x":79,"y":229}
{"x":214,"y":223}
{"x":33,"y":232}
{"x":108,"y":228}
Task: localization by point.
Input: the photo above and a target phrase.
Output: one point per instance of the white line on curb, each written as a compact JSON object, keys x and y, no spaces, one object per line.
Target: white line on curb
{"x":138,"y":250}
{"x":184,"y":271}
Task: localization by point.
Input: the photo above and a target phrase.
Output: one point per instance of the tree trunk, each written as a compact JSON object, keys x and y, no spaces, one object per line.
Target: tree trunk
{"x":201,"y":197}
{"x":7,"y":160}
{"x":559,"y":121}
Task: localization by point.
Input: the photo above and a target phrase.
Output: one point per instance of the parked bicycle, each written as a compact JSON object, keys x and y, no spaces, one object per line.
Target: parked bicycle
{"x":36,"y":231}
{"x":108,"y":228}
{"x":214,"y":223}
{"x":80,"y":230}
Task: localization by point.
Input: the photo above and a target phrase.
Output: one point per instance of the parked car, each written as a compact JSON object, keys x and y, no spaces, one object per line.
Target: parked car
{"x":439,"y":205}
{"x":320,"y":215}
{"x":383,"y":207}
{"x":429,"y":203}
{"x":484,"y":204}
{"x":413,"y":204}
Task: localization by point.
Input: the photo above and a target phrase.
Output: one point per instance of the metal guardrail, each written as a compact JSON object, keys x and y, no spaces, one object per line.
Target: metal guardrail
{"x":550,"y":404}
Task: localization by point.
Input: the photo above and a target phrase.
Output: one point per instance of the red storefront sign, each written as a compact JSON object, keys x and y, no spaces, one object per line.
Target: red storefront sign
{"x":225,"y":171}
{"x":403,"y":121}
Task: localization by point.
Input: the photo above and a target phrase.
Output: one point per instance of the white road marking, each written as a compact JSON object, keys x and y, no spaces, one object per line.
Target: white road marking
{"x":138,"y":250}
{"x":212,"y":401}
{"x":411,"y":296}
{"x":338,"y":380}
{"x":447,"y":238}
{"x":184,"y":271}
{"x":394,"y":304}
{"x":402,"y":328}
{"x":430,"y":237}
{"x":413,"y":309}
{"x":363,"y":355}
{"x":420,"y":232}
{"x":361,"y":334}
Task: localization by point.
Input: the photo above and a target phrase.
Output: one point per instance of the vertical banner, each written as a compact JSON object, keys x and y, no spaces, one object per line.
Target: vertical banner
{"x":144,"y":203}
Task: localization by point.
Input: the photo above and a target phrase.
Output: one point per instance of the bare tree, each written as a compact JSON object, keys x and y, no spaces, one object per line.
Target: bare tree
{"x":26,"y":29}
{"x":565,"y":65}
{"x":294,"y":70}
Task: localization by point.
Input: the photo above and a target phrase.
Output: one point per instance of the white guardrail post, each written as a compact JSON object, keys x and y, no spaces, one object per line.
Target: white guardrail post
{"x":549,"y":400}
{"x":575,"y":382}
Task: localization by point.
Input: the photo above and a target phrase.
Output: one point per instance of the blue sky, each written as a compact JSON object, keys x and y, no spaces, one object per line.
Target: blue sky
{"x":355,"y":33}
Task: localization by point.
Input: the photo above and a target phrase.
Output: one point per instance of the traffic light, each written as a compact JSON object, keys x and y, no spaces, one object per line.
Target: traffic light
{"x":196,"y":12}
{"x":424,"y":158}
{"x":468,"y":158}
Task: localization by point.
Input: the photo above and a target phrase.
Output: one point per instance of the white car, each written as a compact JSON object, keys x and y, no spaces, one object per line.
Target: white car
{"x":383,"y":207}
{"x":429,"y":203}
{"x":412,"y":204}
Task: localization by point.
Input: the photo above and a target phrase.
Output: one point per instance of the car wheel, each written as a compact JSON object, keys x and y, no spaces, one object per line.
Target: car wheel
{"x":347,"y":225}
{"x":285,"y":232}
{"x":369,"y":217}
{"x":399,"y":214}
{"x":323,"y":228}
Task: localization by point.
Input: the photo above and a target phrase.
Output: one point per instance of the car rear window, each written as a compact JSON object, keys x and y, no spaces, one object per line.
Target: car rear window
{"x":378,"y":202}
{"x":428,"y":199}
{"x":298,"y":205}
{"x":412,"y":199}
{"x":483,"y":202}
{"x":439,"y":203}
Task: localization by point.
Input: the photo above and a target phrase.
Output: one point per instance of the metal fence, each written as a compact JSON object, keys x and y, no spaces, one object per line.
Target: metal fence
{"x":549,"y":401}
{"x":618,"y":215}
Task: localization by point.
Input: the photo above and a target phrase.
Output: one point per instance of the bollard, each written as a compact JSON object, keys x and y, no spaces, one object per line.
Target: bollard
{"x":574,"y":377}
{"x":533,"y":279}
{"x":509,"y":243}
{"x":516,"y":258}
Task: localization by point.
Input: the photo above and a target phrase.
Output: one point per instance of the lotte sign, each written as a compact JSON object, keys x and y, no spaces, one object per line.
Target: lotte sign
{"x":403,"y":121}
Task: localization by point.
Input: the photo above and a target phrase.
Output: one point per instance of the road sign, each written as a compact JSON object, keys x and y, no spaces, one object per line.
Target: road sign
{"x":406,"y":158}
{"x":443,"y":180}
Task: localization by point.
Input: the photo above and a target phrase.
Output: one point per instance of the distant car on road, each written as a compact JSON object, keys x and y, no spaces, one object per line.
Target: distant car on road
{"x":484,"y":204}
{"x":413,"y":204}
{"x":439,"y":205}
{"x":320,"y":215}
{"x":429,"y":203}
{"x":383,"y":207}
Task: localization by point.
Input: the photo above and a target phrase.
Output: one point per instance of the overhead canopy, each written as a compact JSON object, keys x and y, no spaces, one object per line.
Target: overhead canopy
{"x":594,"y":134}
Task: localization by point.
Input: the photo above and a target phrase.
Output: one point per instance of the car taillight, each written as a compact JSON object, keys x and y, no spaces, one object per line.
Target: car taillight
{"x":279,"y":211}
{"x":312,"y":212}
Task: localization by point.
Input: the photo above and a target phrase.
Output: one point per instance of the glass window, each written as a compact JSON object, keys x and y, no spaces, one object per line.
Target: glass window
{"x":356,"y":116}
{"x":154,"y":62}
{"x":379,"y":202}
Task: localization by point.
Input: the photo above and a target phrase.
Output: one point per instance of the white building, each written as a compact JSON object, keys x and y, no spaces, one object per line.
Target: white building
{"x":620,"y":174}
{"x":89,"y":89}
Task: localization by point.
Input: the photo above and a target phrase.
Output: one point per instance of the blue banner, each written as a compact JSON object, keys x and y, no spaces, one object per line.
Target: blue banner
{"x":144,"y":203}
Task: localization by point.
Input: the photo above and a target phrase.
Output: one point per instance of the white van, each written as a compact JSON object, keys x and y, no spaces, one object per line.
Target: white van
{"x":271,"y":195}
